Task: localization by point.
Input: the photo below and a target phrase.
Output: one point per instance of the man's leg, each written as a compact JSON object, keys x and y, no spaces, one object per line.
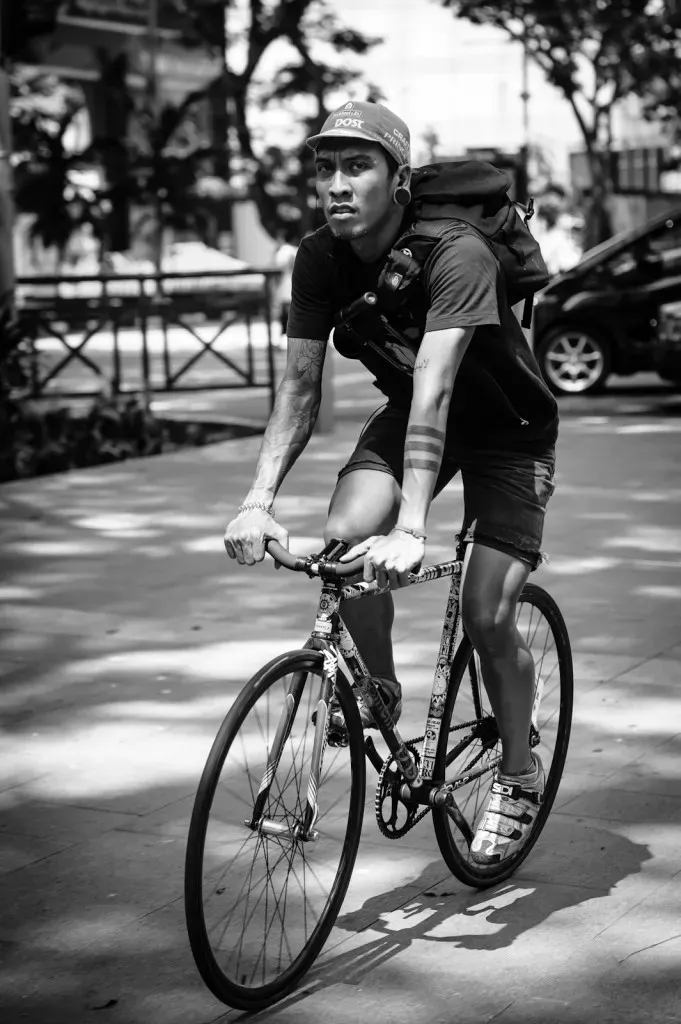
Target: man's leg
{"x":366,"y":502}
{"x":492,"y":581}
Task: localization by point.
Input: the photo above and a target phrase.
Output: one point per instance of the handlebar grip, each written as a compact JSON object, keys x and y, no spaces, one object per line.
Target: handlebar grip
{"x":357,"y":307}
{"x":284,"y":557}
{"x":299,"y":564}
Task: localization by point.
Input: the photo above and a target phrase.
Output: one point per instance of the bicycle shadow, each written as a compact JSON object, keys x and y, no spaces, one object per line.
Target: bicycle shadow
{"x":493,"y":919}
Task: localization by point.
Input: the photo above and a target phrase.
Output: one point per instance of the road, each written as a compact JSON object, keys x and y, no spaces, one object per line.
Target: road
{"x":125,"y":637}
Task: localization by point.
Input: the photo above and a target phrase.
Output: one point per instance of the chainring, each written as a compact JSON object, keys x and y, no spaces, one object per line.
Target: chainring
{"x":390,"y":781}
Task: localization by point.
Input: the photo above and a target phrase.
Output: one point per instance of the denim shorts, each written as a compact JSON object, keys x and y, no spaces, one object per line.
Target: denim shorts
{"x":505,"y":492}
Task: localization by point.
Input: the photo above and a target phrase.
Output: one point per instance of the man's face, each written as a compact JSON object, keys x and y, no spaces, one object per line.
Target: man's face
{"x":354,"y":186}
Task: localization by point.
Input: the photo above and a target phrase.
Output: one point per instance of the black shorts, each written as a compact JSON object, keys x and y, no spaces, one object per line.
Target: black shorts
{"x":505,"y":492}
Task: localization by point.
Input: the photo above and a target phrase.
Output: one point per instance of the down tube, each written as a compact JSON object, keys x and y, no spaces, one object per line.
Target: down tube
{"x":443,"y":670}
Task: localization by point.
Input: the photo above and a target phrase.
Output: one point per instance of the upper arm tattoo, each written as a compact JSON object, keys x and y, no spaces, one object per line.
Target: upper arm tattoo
{"x":305,"y":360}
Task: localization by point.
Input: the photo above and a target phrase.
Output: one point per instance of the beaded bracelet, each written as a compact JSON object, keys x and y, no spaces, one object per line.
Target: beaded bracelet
{"x":413,"y":533}
{"x":248,"y":505}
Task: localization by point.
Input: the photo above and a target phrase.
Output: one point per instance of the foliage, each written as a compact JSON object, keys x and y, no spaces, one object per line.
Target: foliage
{"x":35,"y":439}
{"x":595,"y":52}
{"x":165,"y":160}
{"x":45,"y":167}
{"x":280,"y":177}
{"x":159,"y":165}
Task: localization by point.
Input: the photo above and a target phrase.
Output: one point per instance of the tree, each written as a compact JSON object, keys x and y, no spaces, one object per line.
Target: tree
{"x":165,"y":158}
{"x":432,"y":143}
{"x":280,"y":177}
{"x":595,"y":52}
{"x":43,"y":110}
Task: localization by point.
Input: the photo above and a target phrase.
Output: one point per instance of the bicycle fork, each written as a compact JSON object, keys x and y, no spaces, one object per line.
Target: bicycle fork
{"x":303,"y":829}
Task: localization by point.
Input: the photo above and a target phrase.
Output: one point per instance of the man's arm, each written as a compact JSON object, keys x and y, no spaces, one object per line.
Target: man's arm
{"x":293,"y":417}
{"x":437,"y":364}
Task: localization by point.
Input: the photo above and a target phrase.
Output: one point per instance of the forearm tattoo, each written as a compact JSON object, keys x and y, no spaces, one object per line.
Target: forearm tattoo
{"x":423,"y":448}
{"x":294,"y":414}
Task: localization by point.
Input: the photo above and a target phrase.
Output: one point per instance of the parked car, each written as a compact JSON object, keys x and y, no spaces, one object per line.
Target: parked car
{"x":601,"y":316}
{"x":667,"y":347}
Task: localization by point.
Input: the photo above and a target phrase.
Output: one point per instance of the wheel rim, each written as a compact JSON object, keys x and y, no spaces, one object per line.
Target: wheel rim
{"x":574,"y":361}
{"x":263,"y":896}
{"x":472,"y":705}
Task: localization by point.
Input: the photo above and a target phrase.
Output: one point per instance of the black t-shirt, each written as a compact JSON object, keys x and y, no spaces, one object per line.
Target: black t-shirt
{"x":499,"y":398}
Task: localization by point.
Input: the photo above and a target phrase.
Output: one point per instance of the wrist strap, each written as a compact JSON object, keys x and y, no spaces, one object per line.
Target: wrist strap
{"x":414,"y":533}
{"x":248,"y":505}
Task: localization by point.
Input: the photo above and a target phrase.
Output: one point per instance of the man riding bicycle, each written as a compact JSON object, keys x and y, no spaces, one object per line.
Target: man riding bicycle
{"x":476,"y":403}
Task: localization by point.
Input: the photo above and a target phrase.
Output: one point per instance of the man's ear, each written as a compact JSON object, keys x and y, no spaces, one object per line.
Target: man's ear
{"x":404,"y":175}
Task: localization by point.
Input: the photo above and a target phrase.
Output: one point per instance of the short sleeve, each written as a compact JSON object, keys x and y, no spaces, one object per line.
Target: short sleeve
{"x":461,"y":284}
{"x":310,"y":314}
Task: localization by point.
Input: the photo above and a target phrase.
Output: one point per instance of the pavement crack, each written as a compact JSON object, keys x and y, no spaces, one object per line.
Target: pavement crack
{"x":652,"y":945}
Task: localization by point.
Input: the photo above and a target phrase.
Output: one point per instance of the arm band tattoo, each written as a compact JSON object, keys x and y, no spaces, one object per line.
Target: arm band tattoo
{"x":415,"y":431}
{"x":425,"y":463}
{"x":423,"y":446}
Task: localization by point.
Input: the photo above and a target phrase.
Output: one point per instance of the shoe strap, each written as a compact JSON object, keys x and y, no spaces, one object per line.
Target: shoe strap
{"x":515,"y":791}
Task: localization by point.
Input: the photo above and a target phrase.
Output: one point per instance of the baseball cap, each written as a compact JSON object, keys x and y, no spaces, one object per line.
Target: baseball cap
{"x":371,"y":121}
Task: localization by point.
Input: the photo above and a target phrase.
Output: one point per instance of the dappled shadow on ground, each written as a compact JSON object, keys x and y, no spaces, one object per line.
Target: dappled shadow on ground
{"x":127,"y":635}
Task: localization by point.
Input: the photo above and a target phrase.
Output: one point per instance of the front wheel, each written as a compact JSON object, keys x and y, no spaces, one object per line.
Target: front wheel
{"x":264,"y":881}
{"x":469,"y":746}
{"x":574,"y":361}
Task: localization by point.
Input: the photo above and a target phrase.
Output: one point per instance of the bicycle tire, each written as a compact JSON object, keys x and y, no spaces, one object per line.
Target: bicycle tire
{"x":554,"y":718}
{"x":214,"y":968}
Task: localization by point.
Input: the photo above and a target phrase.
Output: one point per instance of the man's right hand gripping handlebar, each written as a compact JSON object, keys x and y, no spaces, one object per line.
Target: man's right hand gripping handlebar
{"x":246,"y":535}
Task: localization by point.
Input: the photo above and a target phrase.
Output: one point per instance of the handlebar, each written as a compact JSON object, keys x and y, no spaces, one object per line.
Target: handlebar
{"x":305,"y":563}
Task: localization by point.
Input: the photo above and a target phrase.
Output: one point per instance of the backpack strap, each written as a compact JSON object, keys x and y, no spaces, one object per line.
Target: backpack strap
{"x":403,"y":266}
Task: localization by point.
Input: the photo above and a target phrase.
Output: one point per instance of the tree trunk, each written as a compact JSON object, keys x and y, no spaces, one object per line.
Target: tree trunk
{"x":115,"y":107}
{"x":598,"y":226}
{"x":6,"y":216}
{"x":266,"y":204}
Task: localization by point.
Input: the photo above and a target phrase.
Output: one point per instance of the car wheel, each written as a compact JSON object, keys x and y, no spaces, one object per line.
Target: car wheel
{"x":574,"y":361}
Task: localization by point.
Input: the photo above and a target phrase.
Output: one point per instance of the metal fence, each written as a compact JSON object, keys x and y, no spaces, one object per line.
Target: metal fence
{"x":171,"y":332}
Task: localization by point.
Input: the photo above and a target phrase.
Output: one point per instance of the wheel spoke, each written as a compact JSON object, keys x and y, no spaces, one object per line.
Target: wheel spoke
{"x":541,"y":628}
{"x":260,"y":903}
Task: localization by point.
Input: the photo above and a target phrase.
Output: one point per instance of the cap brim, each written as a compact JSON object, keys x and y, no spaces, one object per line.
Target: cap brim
{"x":342,"y":133}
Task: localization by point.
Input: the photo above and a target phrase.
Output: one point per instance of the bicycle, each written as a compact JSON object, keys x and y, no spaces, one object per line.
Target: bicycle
{"x":277,"y":819}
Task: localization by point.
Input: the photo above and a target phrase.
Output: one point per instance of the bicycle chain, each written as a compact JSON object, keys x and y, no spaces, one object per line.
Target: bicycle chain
{"x":383,"y":792}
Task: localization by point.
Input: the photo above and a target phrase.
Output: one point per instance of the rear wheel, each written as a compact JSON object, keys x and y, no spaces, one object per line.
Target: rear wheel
{"x":261,"y":895}
{"x":469,"y":737}
{"x":574,"y":361}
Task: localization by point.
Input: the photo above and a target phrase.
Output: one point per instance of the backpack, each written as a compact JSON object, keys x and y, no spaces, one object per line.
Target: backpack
{"x":474,"y":194}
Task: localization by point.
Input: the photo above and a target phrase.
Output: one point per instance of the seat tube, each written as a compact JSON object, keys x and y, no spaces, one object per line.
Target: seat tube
{"x":443,"y":670}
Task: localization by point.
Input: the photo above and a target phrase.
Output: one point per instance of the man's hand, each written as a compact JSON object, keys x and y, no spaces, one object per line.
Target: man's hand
{"x":245,"y":536}
{"x":390,"y":559}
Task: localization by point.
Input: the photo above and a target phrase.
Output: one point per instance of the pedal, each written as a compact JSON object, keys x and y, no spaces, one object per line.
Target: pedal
{"x":337,"y":737}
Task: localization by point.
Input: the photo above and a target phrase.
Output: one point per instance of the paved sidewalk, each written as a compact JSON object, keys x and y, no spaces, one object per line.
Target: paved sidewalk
{"x":125,"y":637}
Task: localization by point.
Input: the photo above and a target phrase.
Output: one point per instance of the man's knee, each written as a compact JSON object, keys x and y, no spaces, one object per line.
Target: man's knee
{"x":365,"y":503}
{"x":488,"y":623}
{"x":345,"y":528}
